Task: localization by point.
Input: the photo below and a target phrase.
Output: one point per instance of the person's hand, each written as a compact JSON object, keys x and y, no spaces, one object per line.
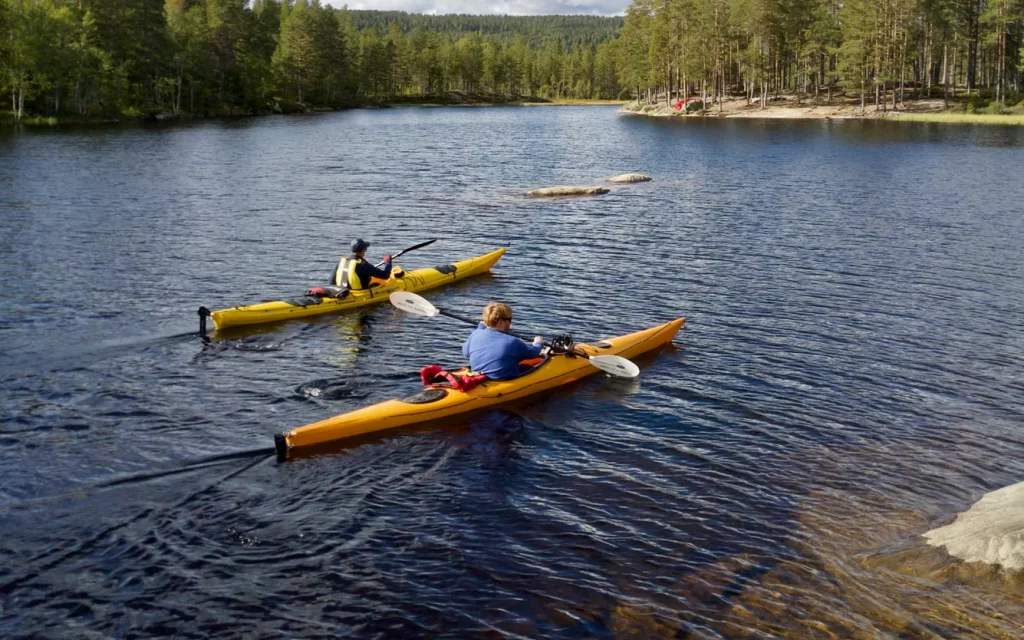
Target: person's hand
{"x":537,"y":340}
{"x":387,"y":258}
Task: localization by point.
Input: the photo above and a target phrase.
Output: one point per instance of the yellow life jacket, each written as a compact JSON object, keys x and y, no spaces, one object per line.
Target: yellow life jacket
{"x":345,"y":274}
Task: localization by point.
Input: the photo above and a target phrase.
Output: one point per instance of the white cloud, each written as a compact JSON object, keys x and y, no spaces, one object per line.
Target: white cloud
{"x":495,"y":7}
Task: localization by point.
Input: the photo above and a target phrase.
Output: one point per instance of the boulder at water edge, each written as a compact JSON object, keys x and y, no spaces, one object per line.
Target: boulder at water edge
{"x":991,"y":531}
{"x":629,"y":177}
{"x":567,"y":191}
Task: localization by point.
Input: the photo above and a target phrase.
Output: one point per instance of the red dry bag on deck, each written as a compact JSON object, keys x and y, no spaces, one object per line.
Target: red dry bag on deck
{"x":462,"y":380}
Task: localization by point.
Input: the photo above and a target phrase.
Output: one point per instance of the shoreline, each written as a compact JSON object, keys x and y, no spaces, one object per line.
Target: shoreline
{"x":789,"y":108}
{"x":7,"y":120}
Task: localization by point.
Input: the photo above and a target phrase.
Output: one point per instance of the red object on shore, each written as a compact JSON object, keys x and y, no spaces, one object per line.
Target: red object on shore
{"x":682,"y":103}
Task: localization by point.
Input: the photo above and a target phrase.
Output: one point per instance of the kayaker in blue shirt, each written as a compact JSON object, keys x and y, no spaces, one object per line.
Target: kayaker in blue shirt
{"x":492,"y":351}
{"x":355,"y":272}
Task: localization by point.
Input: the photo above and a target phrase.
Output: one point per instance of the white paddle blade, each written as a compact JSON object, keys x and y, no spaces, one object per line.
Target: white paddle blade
{"x":616,"y":365}
{"x":413,"y":303}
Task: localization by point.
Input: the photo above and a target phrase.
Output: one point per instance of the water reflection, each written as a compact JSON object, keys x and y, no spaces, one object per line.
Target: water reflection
{"x":869,"y":131}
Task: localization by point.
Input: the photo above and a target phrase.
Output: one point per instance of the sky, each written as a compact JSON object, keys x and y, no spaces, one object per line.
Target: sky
{"x":500,"y":7}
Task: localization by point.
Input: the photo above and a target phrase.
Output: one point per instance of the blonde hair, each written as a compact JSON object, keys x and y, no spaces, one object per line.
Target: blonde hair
{"x":495,"y":312}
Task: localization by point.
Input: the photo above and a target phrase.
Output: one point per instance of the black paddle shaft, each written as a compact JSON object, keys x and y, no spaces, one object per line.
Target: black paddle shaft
{"x":412,"y":248}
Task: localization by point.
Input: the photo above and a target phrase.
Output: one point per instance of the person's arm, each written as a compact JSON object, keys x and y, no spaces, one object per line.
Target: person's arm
{"x":367,"y":271}
{"x":528,"y":350}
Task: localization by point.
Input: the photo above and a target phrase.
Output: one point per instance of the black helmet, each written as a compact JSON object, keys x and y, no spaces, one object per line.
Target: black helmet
{"x":359,"y":245}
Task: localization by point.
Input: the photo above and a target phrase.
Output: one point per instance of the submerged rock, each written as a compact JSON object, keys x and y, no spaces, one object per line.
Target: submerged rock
{"x":567,"y":191}
{"x":991,"y":531}
{"x":629,"y":177}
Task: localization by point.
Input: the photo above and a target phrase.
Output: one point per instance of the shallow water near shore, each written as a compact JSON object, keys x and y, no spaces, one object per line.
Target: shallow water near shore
{"x":849,"y":378}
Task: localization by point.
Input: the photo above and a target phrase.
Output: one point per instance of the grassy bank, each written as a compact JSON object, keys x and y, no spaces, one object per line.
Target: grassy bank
{"x":454,"y":98}
{"x":574,"y":102}
{"x":7,"y":119}
{"x":954,"y":117}
{"x":458,"y":98}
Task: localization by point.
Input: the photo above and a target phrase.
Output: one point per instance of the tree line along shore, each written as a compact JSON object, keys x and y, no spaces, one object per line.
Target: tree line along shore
{"x":94,"y":59}
{"x":63,"y":60}
{"x":969,"y":53}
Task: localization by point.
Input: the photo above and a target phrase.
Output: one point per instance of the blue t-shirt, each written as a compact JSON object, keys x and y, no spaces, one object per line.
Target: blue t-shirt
{"x":497,"y":354}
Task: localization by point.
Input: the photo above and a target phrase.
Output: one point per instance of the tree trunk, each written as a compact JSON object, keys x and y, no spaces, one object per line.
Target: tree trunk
{"x":972,"y":45}
{"x":721,"y":88}
{"x":945,"y":75}
{"x":1002,"y":57}
{"x":821,"y":74}
{"x":927,"y":63}
{"x":956,"y":52}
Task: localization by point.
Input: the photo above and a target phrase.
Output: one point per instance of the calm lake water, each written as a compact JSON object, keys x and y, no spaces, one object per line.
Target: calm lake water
{"x":849,"y":377}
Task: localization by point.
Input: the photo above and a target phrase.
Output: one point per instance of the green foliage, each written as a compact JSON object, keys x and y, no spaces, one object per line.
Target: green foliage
{"x":568,"y":30}
{"x":885,"y":49}
{"x":204,"y":57}
{"x":209,"y":57}
{"x":994,"y":109}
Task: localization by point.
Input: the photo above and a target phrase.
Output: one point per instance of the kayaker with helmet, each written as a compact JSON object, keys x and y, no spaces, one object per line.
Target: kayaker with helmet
{"x":355,"y":272}
{"x":492,"y":351}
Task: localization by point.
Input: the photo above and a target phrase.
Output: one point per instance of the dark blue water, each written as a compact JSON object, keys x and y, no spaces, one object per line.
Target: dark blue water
{"x":849,"y":376}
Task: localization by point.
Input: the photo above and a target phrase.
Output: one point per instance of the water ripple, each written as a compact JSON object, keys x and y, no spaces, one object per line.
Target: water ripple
{"x":848,"y":379}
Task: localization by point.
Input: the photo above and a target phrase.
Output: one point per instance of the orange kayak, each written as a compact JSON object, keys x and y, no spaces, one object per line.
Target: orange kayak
{"x":433,"y":403}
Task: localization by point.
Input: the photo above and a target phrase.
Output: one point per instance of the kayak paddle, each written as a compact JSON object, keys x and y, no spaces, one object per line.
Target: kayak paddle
{"x":412,"y":248}
{"x":412,"y":303}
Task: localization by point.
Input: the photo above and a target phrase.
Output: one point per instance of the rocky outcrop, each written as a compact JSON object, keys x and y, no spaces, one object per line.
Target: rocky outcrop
{"x":567,"y":191}
{"x":991,"y":531}
{"x":629,"y":178}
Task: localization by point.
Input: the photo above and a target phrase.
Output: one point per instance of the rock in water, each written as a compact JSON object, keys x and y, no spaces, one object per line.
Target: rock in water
{"x":991,"y":531}
{"x":629,"y":177}
{"x":567,"y":191}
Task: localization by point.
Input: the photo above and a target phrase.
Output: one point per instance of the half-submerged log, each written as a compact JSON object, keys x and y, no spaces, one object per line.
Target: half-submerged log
{"x":567,"y":191}
{"x":629,"y":177}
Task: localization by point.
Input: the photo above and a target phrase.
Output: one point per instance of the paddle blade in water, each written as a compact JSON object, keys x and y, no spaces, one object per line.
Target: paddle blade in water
{"x":615,"y":365}
{"x":412,"y":303}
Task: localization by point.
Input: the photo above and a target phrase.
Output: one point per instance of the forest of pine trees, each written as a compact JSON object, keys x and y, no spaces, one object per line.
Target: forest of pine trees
{"x":882,"y":51}
{"x":208,"y":57}
{"x":205,"y":57}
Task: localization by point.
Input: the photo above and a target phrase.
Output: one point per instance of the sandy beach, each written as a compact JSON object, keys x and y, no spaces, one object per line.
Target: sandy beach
{"x":789,"y":107}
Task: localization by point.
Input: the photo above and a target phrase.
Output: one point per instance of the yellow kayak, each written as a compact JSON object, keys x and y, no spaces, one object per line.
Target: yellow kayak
{"x":418,"y":280}
{"x":433,"y":403}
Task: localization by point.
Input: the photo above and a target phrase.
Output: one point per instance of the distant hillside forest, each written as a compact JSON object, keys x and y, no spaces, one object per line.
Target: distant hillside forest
{"x":98,"y":58}
{"x":209,"y":57}
{"x":536,"y":30}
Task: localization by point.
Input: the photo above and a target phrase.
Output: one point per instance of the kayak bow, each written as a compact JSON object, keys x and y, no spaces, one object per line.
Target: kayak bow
{"x":432,"y":403}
